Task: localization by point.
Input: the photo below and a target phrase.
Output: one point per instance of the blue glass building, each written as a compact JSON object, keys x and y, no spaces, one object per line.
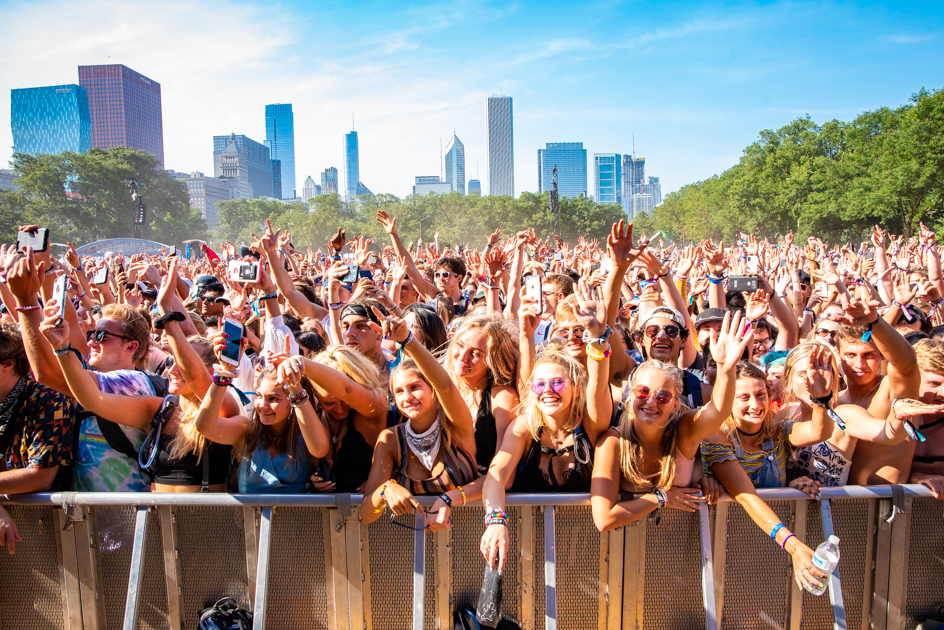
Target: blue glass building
{"x":608,"y":178}
{"x":50,"y":120}
{"x":352,"y":171}
{"x":280,"y":138}
{"x":570,"y":158}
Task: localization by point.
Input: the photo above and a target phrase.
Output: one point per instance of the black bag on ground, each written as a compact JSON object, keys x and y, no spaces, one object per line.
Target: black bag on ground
{"x":225,"y":615}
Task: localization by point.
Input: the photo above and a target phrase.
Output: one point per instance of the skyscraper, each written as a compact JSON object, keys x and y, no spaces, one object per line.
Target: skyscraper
{"x":475,"y":186}
{"x":276,"y":179}
{"x":310,"y":189}
{"x":499,"y":138}
{"x":50,"y":120}
{"x":256,"y":166}
{"x":608,"y":183}
{"x":125,"y":109}
{"x":425,"y":184}
{"x":352,"y":171}
{"x":634,"y":174}
{"x":329,"y":181}
{"x":206,"y":192}
{"x":280,"y":138}
{"x":455,"y":164}
{"x":570,"y":158}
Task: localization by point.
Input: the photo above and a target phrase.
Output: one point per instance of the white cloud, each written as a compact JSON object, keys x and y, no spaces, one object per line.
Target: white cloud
{"x":908,"y":39}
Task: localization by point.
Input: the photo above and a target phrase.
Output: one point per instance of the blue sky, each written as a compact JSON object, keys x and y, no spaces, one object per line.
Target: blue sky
{"x":694,"y":81}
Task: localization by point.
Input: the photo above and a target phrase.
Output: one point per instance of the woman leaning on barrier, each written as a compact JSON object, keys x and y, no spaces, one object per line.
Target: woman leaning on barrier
{"x":353,"y":410}
{"x":433,"y":451}
{"x":653,"y":450}
{"x":184,"y":461}
{"x":279,"y":443}
{"x":549,"y":446}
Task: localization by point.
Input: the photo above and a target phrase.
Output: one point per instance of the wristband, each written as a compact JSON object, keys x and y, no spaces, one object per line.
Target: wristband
{"x":783,"y":545}
{"x":28,"y":308}
{"x":408,"y":339}
{"x":867,"y":335}
{"x":269,"y":296}
{"x":49,"y":272}
{"x":446,"y":499}
{"x":334,"y":306}
{"x":221,"y":381}
{"x":299,"y":399}
{"x":496,"y":517}
{"x":383,"y":489}
{"x":62,"y":352}
{"x":773,"y":532}
{"x":662,"y":497}
{"x":599,"y":357}
{"x":173,"y":316}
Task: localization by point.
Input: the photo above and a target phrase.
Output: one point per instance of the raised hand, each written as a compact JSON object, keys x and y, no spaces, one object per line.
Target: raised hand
{"x":165,"y":295}
{"x":25,"y":279}
{"x":391,"y":327}
{"x":620,"y":246}
{"x":55,"y":332}
{"x":819,"y":376}
{"x":389,"y":223}
{"x":589,"y":312}
{"x":339,"y":240}
{"x":860,"y":312}
{"x":758,"y":305}
{"x":728,"y":344}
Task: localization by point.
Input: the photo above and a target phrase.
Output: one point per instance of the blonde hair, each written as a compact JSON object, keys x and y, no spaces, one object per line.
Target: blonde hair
{"x":501,"y":351}
{"x":352,"y":364}
{"x":930,"y":355}
{"x":528,"y":410}
{"x":133,"y":325}
{"x":796,"y":355}
{"x":631,"y":450}
{"x":769,"y":428}
{"x":259,"y":435}
{"x":565,"y":310}
{"x":187,"y":439}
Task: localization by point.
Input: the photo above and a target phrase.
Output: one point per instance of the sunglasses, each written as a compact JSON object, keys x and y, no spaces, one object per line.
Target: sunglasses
{"x":444,"y":274}
{"x":557,"y":385}
{"x":671,"y":331}
{"x":98,"y":336}
{"x":825,"y":332}
{"x":663,"y":396}
{"x":573,"y":332}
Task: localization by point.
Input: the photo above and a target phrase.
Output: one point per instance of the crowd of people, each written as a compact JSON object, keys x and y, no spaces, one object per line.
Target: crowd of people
{"x":650,"y":376}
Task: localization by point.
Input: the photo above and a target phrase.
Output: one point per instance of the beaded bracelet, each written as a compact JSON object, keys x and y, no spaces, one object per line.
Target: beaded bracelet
{"x":383,"y":489}
{"x":299,"y":399}
{"x":221,"y":381}
{"x":496,"y":517}
{"x":464,"y":499}
{"x":599,"y":357}
{"x":28,"y":308}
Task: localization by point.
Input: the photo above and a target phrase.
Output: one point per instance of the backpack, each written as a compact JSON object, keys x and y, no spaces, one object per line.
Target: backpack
{"x":112,"y":432}
{"x":225,"y":615}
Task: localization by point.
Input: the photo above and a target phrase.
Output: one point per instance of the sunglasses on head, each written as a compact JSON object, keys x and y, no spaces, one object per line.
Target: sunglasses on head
{"x":671,"y":331}
{"x":557,"y":385}
{"x":663,"y":396}
{"x":98,"y":336}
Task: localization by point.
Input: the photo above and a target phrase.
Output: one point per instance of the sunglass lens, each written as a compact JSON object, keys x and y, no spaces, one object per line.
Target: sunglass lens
{"x":558,"y":385}
{"x":537,"y":387}
{"x":663,"y":397}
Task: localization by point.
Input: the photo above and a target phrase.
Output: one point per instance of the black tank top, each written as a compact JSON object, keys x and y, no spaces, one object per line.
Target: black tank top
{"x":530,"y":477}
{"x":187,"y":471}
{"x":486,"y":434}
{"x":351,"y":465}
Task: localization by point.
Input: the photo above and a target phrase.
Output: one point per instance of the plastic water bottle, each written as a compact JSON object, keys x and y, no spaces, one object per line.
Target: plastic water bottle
{"x":825,"y":559}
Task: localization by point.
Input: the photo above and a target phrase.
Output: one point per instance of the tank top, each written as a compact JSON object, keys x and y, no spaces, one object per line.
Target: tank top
{"x":821,"y":462}
{"x":530,"y":477}
{"x":187,"y":471}
{"x":486,"y":434}
{"x":351,"y":464}
{"x":459,"y":469}
{"x":260,"y":473}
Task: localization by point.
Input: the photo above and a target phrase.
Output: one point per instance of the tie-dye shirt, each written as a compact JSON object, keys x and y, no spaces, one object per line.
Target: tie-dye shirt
{"x":99,"y":467}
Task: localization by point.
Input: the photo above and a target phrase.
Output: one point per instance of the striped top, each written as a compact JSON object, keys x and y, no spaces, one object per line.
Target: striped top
{"x":752,"y":462}
{"x":459,"y":469}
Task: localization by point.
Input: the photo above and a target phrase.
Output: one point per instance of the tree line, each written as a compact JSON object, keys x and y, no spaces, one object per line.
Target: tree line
{"x":833,"y":181}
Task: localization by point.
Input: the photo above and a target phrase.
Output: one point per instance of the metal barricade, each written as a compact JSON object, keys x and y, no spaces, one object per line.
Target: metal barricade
{"x":109,"y":561}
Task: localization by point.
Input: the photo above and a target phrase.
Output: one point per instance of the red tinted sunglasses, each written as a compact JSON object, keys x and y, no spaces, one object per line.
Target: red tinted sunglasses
{"x":663,"y":396}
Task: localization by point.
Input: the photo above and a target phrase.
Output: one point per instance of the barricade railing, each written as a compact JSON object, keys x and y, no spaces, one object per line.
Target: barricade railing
{"x":141,"y":560}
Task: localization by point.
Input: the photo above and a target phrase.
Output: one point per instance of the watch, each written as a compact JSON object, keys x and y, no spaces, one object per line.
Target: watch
{"x":173,"y":316}
{"x":597,"y":340}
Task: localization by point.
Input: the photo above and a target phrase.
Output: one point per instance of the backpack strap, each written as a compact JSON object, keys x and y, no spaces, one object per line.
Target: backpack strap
{"x":115,"y":437}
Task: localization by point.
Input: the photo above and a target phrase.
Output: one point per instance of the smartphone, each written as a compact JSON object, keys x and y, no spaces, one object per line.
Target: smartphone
{"x":634,"y":276}
{"x":821,"y":288}
{"x":783,"y":261}
{"x":532,"y":289}
{"x":558,"y":256}
{"x":59,"y":297}
{"x":234,"y":330}
{"x":240,"y":271}
{"x":100,"y":276}
{"x":351,"y":277}
{"x":365,"y":273}
{"x":744,"y":284}
{"x":372,"y":260}
{"x":38,"y":239}
{"x":869,"y":255}
{"x":752,"y":263}
{"x":594,"y":266}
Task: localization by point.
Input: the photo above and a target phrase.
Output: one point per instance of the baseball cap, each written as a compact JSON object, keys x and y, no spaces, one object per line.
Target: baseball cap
{"x":715,"y":314}
{"x":666,"y":312}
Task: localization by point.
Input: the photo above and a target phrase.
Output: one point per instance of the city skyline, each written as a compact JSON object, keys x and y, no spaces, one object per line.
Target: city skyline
{"x":715,"y":75}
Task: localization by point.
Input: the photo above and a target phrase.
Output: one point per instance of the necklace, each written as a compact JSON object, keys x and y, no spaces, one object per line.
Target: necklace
{"x":871,"y":391}
{"x":559,"y":438}
{"x":746,"y":434}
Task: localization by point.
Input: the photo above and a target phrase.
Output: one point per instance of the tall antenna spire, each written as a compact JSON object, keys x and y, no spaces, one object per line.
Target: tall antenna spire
{"x":442,"y":169}
{"x":352,"y":121}
{"x":634,"y":147}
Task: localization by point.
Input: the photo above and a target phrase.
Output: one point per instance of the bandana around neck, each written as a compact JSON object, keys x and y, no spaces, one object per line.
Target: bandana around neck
{"x":10,"y":402}
{"x":425,"y":445}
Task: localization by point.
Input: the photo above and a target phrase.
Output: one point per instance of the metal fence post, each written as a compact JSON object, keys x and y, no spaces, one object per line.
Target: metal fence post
{"x":835,"y":587}
{"x":707,"y":570}
{"x":262,"y":570}
{"x":419,"y":575}
{"x":550,"y":570}
{"x":137,"y":569}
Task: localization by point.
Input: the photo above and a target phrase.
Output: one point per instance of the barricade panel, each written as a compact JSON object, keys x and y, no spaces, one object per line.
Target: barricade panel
{"x":296,"y":595}
{"x":673,"y":591}
{"x":851,"y":524}
{"x":756,"y":573}
{"x":817,"y":613}
{"x":116,"y":538}
{"x":212,"y":559}
{"x":539,"y":603}
{"x":925,"y":593}
{"x":391,"y":573}
{"x":578,"y":569}
{"x":31,"y":597}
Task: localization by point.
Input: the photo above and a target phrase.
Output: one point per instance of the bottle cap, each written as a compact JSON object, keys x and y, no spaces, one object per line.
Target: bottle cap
{"x":834,"y":540}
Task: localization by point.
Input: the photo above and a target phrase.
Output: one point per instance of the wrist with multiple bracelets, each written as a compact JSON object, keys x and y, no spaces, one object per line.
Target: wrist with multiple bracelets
{"x":298,"y":399}
{"x":496,"y":517}
{"x":222,"y":381}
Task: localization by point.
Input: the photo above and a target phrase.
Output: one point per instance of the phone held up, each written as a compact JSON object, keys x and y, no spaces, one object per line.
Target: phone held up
{"x":534,"y":291}
{"x":241,"y":271}
{"x":234,"y":332}
{"x":59,"y":297}
{"x":38,"y":239}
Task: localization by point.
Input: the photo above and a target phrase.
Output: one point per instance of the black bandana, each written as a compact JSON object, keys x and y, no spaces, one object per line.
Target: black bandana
{"x":10,"y":403}
{"x":360,"y":311}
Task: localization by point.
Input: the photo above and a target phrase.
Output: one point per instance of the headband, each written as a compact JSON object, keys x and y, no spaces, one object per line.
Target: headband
{"x":360,"y":311}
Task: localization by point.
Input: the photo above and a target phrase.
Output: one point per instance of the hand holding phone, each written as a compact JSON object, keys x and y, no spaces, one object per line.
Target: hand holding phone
{"x":59,"y":295}
{"x":234,"y":340}
{"x":37,"y":238}
{"x":534,"y":291}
